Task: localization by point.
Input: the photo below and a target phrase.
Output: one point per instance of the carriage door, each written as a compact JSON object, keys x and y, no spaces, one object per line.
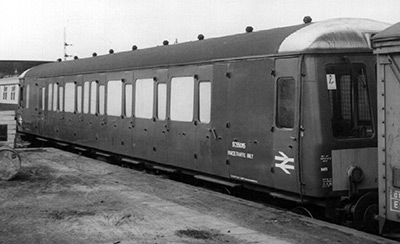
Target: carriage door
{"x":250,"y":115}
{"x":285,"y":167}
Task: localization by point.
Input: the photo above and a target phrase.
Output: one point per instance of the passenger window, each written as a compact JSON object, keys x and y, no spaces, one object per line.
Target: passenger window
{"x":285,"y":110}
{"x":161,"y":101}
{"x":144,"y":89}
{"x":102,"y":99}
{"x":114,"y":97}
{"x":349,"y":101}
{"x":50,"y":97}
{"x":128,"y":100}
{"x":69,"y":97}
{"x":43,"y":100}
{"x":28,"y":92}
{"x":61,"y":98}
{"x":93,"y":97}
{"x":79,"y":99}
{"x":182,"y":99}
{"x":55,"y":96}
{"x":86,"y":93}
{"x":204,"y":102}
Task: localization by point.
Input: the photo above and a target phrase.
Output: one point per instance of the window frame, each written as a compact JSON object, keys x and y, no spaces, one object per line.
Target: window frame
{"x":5,"y":92}
{"x":177,"y":99}
{"x":86,"y":97}
{"x":101,"y":99}
{"x":42,"y":100}
{"x":79,"y":98}
{"x":279,"y":101}
{"x":200,"y":100}
{"x":94,"y":97}
{"x":13,"y":92}
{"x":55,"y":96}
{"x":73,"y":100}
{"x":355,"y":122}
{"x":61,"y":98}
{"x":144,"y":114}
{"x":117,"y":85}
{"x":50,"y":97}
{"x":27,"y":92}
{"x":127,"y":109}
{"x":162,"y":103}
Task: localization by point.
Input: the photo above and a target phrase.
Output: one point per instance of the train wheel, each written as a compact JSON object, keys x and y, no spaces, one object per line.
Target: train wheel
{"x":302,"y":211}
{"x":365,"y":213}
{"x":10,"y":163}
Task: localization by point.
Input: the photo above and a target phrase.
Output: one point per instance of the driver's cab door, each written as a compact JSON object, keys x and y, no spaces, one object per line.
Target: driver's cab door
{"x":286,"y":127}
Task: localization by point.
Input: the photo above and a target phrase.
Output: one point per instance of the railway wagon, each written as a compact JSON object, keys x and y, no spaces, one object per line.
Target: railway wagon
{"x":387,"y":47}
{"x":288,"y":111}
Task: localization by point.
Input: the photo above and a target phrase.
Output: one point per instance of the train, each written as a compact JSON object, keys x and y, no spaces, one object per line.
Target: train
{"x":290,"y":112}
{"x":386,"y":46}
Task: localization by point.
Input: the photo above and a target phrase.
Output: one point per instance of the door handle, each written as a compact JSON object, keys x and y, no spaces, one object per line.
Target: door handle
{"x":214,"y":132}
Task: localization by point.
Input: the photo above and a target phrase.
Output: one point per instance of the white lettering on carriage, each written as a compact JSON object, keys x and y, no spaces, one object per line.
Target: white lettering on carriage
{"x":240,"y":154}
{"x":394,"y":200}
{"x":241,"y":145}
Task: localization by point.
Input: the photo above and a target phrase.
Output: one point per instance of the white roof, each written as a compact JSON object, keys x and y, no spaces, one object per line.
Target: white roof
{"x":333,"y":34}
{"x":9,"y":80}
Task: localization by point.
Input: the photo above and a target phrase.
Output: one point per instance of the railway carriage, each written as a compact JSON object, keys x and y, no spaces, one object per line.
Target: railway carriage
{"x":387,"y":48}
{"x":290,"y":111}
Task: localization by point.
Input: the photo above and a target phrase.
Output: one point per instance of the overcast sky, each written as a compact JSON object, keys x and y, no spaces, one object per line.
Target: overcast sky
{"x":34,"y":29}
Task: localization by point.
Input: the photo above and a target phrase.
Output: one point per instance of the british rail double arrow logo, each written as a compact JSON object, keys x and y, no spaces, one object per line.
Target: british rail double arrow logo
{"x":284,"y":162}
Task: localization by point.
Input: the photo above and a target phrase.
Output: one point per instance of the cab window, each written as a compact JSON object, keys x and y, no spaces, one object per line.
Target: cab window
{"x":349,"y":101}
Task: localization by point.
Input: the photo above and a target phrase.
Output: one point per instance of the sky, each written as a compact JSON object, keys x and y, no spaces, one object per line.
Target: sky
{"x":34,"y":29}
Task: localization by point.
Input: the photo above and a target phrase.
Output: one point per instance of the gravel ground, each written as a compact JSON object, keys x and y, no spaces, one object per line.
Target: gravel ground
{"x":59,"y":197}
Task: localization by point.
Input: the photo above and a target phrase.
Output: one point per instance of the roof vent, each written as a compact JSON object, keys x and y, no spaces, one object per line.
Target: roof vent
{"x":200,"y":37}
{"x":94,"y":54}
{"x":59,"y":60}
{"x":111,"y":51}
{"x":307,"y":19}
{"x":249,"y":29}
{"x":134,"y":47}
{"x":165,"y":43}
{"x":75,"y":57}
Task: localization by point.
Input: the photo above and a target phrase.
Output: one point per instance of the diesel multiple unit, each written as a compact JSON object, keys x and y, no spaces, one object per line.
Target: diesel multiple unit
{"x":290,"y":111}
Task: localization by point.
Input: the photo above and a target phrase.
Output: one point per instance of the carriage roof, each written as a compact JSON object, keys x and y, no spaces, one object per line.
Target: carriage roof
{"x":390,"y":33}
{"x":330,"y":34}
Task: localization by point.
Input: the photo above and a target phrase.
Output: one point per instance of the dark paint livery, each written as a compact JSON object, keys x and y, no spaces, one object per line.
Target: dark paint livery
{"x":292,"y":110}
